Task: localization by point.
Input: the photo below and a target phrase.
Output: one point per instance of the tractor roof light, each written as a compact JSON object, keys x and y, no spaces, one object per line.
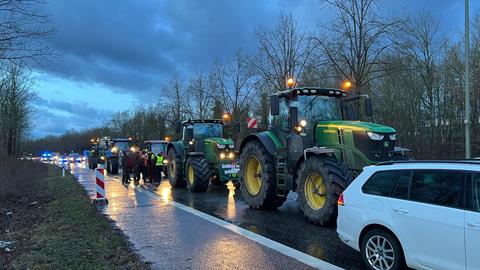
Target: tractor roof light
{"x":347,"y":85}
{"x":290,"y":82}
{"x":227,"y":117}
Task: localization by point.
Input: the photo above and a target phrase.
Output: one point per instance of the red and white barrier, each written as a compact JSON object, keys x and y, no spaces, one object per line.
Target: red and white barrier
{"x":100,"y":184}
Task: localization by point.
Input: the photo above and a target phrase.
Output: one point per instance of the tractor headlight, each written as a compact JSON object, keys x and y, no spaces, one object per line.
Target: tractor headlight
{"x":222,"y":155}
{"x":191,"y":142}
{"x":133,"y":149}
{"x":221,"y":146}
{"x":165,"y":161}
{"x":231,"y":155}
{"x":393,"y":137}
{"x":303,"y":123}
{"x":231,"y":146}
{"x":115,"y":149}
{"x":375,"y":136}
{"x":102,"y":158}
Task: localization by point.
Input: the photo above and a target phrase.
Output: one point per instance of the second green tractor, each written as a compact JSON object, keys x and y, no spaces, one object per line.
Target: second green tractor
{"x":202,"y":156}
{"x":314,"y":146}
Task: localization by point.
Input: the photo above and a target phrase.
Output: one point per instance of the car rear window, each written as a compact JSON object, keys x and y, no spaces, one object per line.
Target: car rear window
{"x":476,"y":192}
{"x":381,"y":183}
{"x":439,"y":187}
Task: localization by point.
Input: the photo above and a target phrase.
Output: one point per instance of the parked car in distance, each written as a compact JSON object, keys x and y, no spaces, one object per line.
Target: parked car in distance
{"x":422,"y":214}
{"x":74,"y":158}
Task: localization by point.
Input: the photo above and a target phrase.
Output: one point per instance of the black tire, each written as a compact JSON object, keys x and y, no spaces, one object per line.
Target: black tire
{"x":334,"y":175}
{"x":92,"y":163}
{"x":398,"y":262}
{"x":201,"y":174}
{"x":175,"y":169}
{"x":114,"y":165}
{"x":266,"y":198}
{"x":108,"y":165}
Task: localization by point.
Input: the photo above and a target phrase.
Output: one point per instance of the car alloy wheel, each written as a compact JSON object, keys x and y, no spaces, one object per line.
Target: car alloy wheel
{"x":380,"y":253}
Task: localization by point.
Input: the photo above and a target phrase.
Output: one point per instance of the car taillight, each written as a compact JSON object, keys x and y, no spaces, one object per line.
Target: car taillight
{"x":340,"y":201}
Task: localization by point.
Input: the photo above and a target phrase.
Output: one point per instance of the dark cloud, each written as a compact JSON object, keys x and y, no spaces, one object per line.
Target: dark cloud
{"x":54,"y":117}
{"x":133,"y":45}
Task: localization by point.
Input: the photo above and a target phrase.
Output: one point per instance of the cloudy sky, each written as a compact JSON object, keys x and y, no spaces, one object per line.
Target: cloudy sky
{"x":115,"y":54}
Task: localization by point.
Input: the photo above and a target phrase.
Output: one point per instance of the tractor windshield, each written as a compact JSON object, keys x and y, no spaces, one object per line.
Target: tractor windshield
{"x":319,"y":108}
{"x":123,"y":146}
{"x":159,"y":148}
{"x":207,"y":130}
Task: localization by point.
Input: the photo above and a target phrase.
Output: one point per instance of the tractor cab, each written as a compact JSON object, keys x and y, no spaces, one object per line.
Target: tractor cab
{"x":158,"y":147}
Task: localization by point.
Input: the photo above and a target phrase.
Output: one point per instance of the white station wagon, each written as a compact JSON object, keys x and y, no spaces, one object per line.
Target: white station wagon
{"x":420,"y":214}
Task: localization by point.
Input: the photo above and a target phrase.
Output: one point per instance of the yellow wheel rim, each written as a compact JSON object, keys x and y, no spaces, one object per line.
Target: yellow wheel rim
{"x":315,"y":191}
{"x":253,"y":178}
{"x":190,"y":176}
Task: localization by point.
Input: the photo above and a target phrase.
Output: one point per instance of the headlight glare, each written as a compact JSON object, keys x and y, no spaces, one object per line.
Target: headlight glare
{"x":222,"y":155}
{"x":375,"y":136}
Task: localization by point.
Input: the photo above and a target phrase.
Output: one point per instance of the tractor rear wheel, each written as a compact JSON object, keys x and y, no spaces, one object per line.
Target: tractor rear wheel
{"x":320,"y":181}
{"x":258,"y":177}
{"x":198,"y":174}
{"x":175,"y":169}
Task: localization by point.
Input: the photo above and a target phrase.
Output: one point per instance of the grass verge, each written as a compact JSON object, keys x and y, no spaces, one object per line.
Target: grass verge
{"x":72,"y":234}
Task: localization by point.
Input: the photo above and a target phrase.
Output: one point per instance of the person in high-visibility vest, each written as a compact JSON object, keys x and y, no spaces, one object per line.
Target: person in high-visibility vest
{"x":159,"y":167}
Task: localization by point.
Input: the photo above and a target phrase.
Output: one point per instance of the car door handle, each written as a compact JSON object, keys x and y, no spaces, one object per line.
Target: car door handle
{"x":474,"y":224}
{"x":401,"y":210}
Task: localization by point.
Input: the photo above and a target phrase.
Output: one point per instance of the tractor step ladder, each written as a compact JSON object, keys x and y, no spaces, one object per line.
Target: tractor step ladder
{"x":281,"y":166}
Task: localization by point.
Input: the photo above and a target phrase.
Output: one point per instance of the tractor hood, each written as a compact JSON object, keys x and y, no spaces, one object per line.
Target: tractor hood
{"x":220,"y":141}
{"x":357,"y":126}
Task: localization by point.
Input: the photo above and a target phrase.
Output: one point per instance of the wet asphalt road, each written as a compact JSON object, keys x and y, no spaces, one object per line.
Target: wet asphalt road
{"x":172,"y":238}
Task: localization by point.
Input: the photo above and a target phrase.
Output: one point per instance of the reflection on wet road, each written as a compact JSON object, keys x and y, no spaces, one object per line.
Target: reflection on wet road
{"x":285,"y":225}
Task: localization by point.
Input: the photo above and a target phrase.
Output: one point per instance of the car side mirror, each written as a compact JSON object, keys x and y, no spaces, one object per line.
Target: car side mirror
{"x":368,"y":107}
{"x":274,"y":105}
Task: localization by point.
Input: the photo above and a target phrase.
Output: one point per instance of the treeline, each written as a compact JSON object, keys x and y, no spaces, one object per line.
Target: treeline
{"x":23,"y":31}
{"x":412,"y":69}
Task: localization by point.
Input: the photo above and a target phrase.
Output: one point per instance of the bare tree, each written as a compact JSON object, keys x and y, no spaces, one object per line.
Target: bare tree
{"x":283,"y":52}
{"x":234,"y":83}
{"x":15,"y":109}
{"x":174,"y":99}
{"x":202,"y":99}
{"x":357,"y":39}
{"x":24,"y":31}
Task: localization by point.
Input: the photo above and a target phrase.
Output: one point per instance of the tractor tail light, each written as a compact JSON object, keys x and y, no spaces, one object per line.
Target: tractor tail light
{"x":340,"y":201}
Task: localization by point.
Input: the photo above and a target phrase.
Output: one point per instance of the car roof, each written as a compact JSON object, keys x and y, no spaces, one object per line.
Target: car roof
{"x":469,"y":165}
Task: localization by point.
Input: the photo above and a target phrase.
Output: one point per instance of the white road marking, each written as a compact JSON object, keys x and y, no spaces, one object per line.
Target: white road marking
{"x":285,"y":250}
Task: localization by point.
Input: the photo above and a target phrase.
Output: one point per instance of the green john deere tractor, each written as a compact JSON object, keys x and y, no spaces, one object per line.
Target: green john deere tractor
{"x":202,"y":156}
{"x":314,"y":146}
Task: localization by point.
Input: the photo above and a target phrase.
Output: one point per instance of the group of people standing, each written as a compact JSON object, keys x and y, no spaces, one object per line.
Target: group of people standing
{"x":145,"y":165}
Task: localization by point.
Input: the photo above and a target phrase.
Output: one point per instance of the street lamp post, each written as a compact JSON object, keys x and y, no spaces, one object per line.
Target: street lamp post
{"x":468,"y":153}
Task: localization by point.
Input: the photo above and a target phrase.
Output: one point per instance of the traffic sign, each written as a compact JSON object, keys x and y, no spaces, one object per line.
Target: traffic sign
{"x":252,"y":122}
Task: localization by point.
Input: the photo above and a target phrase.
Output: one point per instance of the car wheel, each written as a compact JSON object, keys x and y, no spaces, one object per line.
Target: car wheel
{"x":382,"y":251}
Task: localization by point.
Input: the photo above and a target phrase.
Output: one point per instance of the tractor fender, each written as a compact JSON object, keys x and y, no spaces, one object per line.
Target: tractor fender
{"x":178,"y":146}
{"x":264,"y":138}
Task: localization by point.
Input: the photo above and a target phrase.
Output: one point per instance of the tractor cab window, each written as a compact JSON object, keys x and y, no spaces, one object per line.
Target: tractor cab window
{"x":320,"y":108}
{"x":159,"y":148}
{"x":207,"y":130}
{"x":123,"y":146}
{"x":281,"y":120}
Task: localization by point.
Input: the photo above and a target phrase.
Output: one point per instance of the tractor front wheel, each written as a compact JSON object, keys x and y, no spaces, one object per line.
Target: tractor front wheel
{"x":175,"y":169}
{"x":258,"y":178}
{"x":113,"y":164}
{"x":198,"y":174}
{"x":320,"y":181}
